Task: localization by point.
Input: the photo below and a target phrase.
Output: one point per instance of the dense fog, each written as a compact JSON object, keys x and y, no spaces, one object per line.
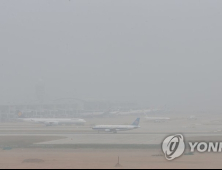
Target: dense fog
{"x":154,"y":53}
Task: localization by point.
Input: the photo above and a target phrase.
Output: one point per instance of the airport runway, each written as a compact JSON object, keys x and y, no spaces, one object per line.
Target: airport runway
{"x":143,"y":139}
{"x":156,"y":128}
{"x":150,"y":133}
{"x":112,"y":139}
{"x":136,"y":148}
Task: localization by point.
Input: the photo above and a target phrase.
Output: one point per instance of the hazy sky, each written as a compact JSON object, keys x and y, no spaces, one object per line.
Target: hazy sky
{"x":154,"y":52}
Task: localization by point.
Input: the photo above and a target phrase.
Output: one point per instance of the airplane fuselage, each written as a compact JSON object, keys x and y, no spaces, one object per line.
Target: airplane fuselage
{"x":54,"y":121}
{"x":114,"y":128}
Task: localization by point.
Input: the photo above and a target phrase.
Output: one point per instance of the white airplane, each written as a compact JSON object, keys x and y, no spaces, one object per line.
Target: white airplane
{"x":157,"y":119}
{"x":116,"y":128}
{"x":55,"y":121}
{"x":133,"y":112}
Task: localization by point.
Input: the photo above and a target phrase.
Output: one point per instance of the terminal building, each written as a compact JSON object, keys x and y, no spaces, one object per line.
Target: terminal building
{"x":57,"y":108}
{"x":60,"y":108}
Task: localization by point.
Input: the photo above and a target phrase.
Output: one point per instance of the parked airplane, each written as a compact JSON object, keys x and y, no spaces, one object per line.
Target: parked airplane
{"x":116,"y":128}
{"x":55,"y":121}
{"x":157,"y":119}
{"x":133,"y":112}
{"x":52,"y":121}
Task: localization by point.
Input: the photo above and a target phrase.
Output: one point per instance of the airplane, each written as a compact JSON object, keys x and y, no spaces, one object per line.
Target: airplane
{"x":116,"y":128}
{"x":51,"y":121}
{"x":55,"y":121}
{"x":133,"y":112}
{"x":157,"y":119}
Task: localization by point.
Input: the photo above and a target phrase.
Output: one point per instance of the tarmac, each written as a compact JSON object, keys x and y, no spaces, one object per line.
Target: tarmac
{"x":149,"y":133}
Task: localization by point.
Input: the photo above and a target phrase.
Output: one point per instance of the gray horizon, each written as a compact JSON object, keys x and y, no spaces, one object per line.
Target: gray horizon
{"x":154,"y":53}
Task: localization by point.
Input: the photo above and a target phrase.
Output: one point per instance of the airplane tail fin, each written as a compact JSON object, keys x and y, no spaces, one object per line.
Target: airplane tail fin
{"x":136,"y":122}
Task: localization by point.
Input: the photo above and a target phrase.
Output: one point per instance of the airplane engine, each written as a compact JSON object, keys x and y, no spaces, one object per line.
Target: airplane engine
{"x":107,"y":130}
